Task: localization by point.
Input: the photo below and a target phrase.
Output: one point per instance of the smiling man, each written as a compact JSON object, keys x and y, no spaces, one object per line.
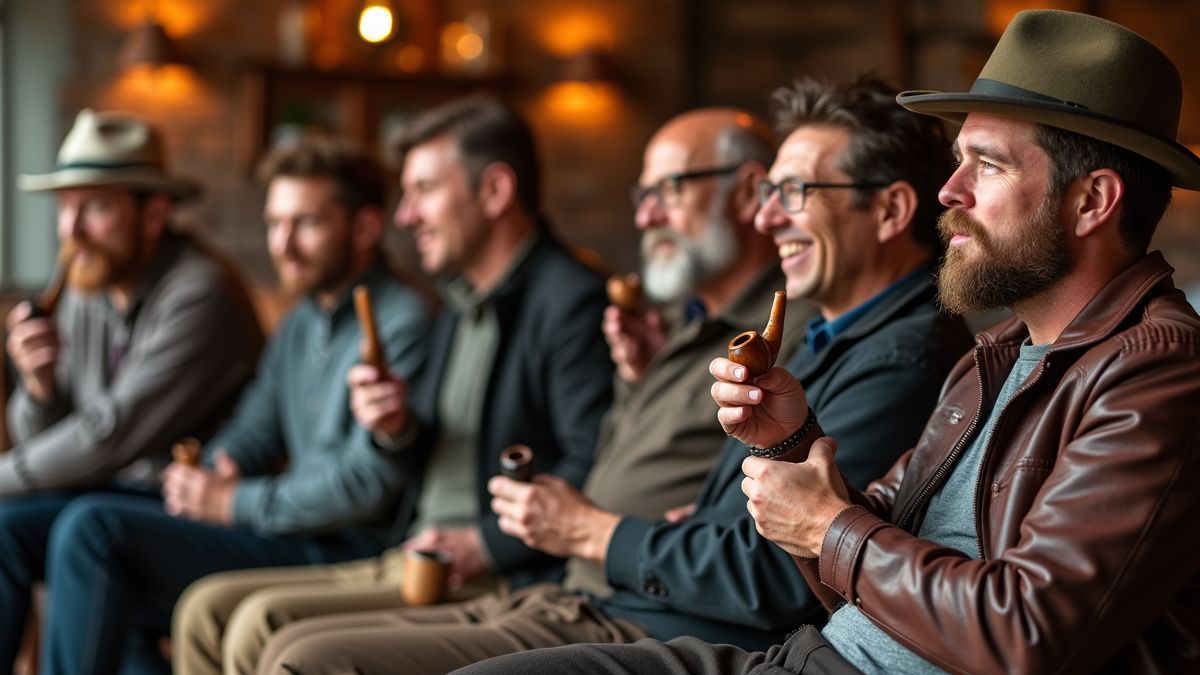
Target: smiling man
{"x":695,"y":202}
{"x":1043,"y":522}
{"x":851,"y":204}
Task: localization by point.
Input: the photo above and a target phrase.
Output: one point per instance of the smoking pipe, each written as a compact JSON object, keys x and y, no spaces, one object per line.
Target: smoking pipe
{"x":625,"y":291}
{"x":516,"y":462}
{"x":186,"y":451}
{"x":47,"y":302}
{"x":758,"y":352}
{"x":372,"y":352}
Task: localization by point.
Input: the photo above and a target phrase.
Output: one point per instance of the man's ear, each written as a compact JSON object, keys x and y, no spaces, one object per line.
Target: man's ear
{"x":895,"y":206}
{"x":156,"y":213}
{"x":1095,"y":199}
{"x":497,"y":189}
{"x":744,"y":199}
{"x":366,"y":228}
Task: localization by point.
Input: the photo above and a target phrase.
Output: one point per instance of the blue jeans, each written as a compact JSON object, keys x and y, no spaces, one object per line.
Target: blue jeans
{"x":117,"y":564}
{"x":25,"y":524}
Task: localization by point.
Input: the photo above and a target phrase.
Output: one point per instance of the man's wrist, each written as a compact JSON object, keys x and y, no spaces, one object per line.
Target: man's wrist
{"x":601,"y":527}
{"x":398,"y":441}
{"x":795,"y":440}
{"x":829,"y":516}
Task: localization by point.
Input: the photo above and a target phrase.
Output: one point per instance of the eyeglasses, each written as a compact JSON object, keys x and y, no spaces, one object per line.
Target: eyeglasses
{"x":669,"y":188}
{"x":793,"y":192}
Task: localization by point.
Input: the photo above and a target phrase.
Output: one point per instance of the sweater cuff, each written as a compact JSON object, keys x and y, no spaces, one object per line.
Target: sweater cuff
{"x":621,"y":558}
{"x":841,"y":549}
{"x":14,"y":474}
{"x":251,"y":500}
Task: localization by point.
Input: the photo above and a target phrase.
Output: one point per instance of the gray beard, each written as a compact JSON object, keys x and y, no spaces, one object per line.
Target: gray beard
{"x":694,"y":261}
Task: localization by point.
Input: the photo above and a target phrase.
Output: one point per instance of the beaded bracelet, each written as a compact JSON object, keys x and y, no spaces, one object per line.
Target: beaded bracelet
{"x":788,"y":443}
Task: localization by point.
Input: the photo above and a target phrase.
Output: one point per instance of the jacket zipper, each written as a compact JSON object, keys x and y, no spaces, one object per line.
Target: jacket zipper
{"x":1029,"y":383}
{"x":906,"y":519}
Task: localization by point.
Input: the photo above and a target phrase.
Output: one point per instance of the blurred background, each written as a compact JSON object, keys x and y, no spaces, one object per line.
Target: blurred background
{"x":224,"y":79}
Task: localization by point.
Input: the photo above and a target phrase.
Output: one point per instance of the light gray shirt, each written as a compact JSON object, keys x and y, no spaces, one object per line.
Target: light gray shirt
{"x":182,"y":351}
{"x":950,"y":521}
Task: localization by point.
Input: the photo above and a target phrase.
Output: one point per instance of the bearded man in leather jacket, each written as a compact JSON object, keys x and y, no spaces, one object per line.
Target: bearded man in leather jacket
{"x":1042,"y":523}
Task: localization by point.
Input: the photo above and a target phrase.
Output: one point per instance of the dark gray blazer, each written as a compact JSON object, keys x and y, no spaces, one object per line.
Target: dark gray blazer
{"x":549,"y":388}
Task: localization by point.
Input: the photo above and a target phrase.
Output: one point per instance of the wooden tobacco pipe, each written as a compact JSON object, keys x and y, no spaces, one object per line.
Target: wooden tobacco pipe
{"x":625,"y":291}
{"x":516,"y":463}
{"x":758,"y":352}
{"x":45,"y":304}
{"x":372,"y":351}
{"x":186,"y":451}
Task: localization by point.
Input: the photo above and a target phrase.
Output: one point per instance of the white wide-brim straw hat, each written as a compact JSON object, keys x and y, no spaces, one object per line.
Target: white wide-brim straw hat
{"x":111,"y":149}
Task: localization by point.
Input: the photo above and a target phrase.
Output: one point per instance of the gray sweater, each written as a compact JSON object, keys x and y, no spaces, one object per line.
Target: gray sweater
{"x":189,"y":341}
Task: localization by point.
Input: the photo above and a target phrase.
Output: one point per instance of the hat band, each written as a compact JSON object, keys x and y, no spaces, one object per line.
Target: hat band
{"x":106,"y":165}
{"x":985,"y":87}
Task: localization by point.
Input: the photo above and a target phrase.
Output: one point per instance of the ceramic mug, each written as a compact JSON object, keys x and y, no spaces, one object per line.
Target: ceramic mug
{"x":425,"y":576}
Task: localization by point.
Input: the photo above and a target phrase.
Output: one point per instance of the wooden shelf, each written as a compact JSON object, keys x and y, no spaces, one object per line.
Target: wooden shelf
{"x":361,"y":105}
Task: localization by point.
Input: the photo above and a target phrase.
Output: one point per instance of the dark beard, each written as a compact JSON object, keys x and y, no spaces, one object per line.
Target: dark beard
{"x":1006,"y":273}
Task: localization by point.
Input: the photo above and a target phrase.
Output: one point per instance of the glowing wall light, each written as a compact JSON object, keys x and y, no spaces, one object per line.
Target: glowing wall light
{"x":376,"y":22}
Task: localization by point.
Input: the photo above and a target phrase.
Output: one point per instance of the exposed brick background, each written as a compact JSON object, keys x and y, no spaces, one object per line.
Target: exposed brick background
{"x":670,"y":54}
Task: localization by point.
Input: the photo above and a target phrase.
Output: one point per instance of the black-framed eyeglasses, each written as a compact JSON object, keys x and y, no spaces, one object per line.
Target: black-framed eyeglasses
{"x":669,"y":188}
{"x":793,"y":192}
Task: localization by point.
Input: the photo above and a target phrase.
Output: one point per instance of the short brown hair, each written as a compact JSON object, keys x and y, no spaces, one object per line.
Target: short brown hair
{"x":887,"y":142}
{"x":358,"y":179}
{"x":484,"y":131}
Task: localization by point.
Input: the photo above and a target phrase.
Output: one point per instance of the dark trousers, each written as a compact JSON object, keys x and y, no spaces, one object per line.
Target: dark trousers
{"x":25,"y":524}
{"x":116,"y":565}
{"x":805,"y":652}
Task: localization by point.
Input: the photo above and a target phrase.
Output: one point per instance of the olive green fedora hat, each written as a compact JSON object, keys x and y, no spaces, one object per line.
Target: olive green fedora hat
{"x":1083,"y":74}
{"x":111,"y":149}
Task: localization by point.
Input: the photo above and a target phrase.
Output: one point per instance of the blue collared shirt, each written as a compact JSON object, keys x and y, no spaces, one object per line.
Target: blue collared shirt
{"x":822,"y":332}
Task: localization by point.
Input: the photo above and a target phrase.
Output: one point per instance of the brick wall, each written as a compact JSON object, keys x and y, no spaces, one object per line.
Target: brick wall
{"x":670,"y":55}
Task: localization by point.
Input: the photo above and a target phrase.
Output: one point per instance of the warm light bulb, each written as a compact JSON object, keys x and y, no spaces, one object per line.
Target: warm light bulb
{"x":469,"y":46}
{"x":375,"y":24}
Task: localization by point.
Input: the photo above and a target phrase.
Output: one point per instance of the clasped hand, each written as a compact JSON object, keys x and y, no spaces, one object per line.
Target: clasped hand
{"x":792,"y":504}
{"x":196,"y":493}
{"x":759,"y":413}
{"x":633,"y":339}
{"x":379,"y":400}
{"x":464,"y":544}
{"x":549,"y":514}
{"x":33,"y":346}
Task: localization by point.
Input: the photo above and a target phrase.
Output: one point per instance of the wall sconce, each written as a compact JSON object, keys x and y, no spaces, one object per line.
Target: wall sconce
{"x":148,"y":45}
{"x":585,"y":89}
{"x":466,"y":44}
{"x":376,"y":21}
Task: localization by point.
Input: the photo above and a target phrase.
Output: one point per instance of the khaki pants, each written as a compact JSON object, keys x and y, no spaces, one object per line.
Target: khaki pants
{"x":805,"y":652}
{"x":223,"y":620}
{"x":440,"y":638}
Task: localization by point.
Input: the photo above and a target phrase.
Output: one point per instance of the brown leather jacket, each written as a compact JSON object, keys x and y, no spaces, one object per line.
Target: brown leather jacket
{"x":1086,"y":510}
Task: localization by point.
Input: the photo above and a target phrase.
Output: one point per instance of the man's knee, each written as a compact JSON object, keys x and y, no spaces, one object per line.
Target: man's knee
{"x":300,"y":648}
{"x":86,"y":524}
{"x":205,"y":607}
{"x":255,"y":619}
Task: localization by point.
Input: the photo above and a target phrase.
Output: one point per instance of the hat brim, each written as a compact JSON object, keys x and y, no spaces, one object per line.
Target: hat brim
{"x":1182,"y":164}
{"x":180,"y":189}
